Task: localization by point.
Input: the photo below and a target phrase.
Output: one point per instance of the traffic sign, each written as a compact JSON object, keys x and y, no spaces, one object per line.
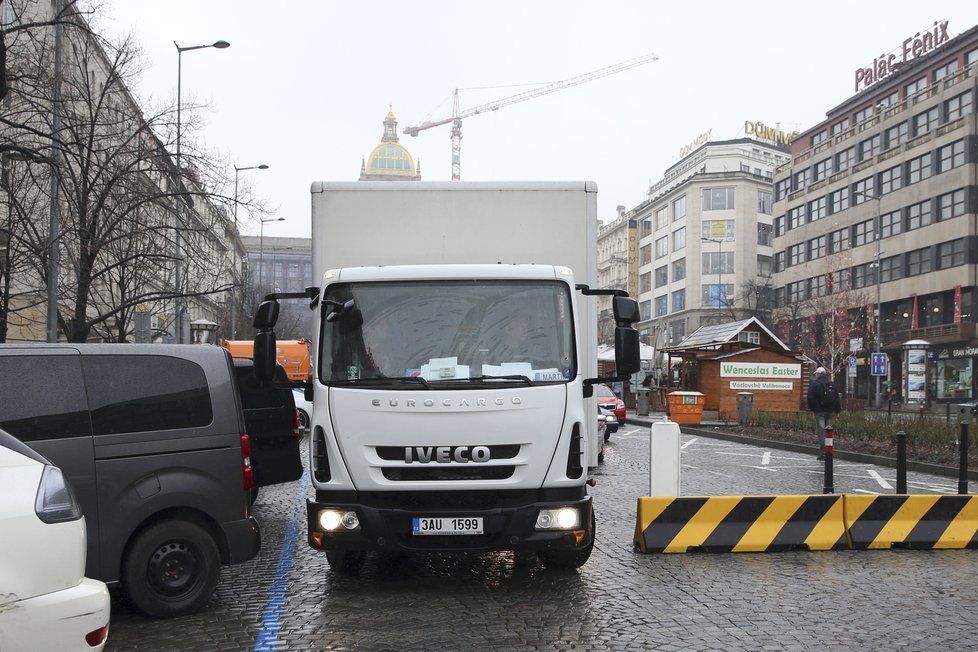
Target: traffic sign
{"x":877,"y":365}
{"x":852,"y":361}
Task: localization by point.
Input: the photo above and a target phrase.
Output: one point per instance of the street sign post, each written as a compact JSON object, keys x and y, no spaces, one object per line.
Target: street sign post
{"x":877,"y":366}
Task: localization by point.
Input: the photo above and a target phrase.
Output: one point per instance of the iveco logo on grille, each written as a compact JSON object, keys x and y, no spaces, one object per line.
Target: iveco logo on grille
{"x":447,"y":402}
{"x":446,"y":454}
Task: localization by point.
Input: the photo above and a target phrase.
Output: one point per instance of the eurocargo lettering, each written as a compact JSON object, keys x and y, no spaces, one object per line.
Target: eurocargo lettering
{"x":453,"y":364}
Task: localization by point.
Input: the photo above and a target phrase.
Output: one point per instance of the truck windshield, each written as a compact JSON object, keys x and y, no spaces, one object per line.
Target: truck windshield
{"x":480,"y":331}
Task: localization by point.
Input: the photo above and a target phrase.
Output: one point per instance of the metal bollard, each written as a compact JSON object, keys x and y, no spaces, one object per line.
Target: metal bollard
{"x":901,"y":462}
{"x":828,"y":487}
{"x":963,"y":470}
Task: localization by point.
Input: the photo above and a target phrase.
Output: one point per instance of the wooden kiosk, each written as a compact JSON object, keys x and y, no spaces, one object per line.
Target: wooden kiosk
{"x":726,"y":360}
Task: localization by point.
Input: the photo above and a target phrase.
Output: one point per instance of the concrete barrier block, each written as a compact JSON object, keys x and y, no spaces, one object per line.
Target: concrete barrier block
{"x":920,"y":521}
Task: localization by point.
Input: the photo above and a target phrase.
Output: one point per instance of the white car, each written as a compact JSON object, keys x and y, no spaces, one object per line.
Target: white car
{"x":46,"y":602}
{"x":304,"y":408}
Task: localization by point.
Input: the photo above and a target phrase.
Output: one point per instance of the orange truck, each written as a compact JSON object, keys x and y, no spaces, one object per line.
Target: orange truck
{"x":293,"y":355}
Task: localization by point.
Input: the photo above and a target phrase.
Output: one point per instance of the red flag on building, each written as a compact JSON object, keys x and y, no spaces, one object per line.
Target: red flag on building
{"x":913,"y":318}
{"x":957,"y":304}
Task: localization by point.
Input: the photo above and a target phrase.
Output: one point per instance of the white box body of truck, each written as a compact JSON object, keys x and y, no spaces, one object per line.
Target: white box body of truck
{"x":450,"y":355}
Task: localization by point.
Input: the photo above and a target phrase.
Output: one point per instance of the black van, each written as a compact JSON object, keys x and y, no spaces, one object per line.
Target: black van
{"x":152,"y":439}
{"x":272,"y":424}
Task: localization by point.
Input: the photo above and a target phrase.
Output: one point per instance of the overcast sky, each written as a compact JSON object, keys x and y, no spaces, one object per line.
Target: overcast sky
{"x":305,"y":85}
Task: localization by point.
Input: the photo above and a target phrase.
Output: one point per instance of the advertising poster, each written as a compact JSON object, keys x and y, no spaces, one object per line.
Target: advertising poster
{"x":916,"y":375}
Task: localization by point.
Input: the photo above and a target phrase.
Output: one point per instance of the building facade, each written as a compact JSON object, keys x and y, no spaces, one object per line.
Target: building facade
{"x":704,"y":239}
{"x":281,"y":265}
{"x":875,"y":234}
{"x":617,"y":269}
{"x":390,"y":160}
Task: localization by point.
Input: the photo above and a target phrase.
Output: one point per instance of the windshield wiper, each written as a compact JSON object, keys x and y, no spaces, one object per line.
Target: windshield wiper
{"x":517,"y":377}
{"x":383,"y":380}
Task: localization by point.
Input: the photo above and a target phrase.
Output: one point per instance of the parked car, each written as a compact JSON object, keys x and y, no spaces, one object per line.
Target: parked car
{"x":611,"y":422}
{"x":46,"y":602}
{"x":602,"y":434}
{"x":304,"y":408}
{"x":609,"y":401}
{"x":272,"y":424}
{"x":152,"y":439}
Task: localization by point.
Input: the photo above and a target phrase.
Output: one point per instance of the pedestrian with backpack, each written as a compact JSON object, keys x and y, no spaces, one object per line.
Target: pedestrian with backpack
{"x":824,"y":402}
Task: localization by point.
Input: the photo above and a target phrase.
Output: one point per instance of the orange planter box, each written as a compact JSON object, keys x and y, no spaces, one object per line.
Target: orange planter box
{"x":686,"y":407}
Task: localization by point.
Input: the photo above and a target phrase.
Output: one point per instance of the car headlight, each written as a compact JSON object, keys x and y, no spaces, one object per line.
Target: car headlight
{"x":560,"y":518}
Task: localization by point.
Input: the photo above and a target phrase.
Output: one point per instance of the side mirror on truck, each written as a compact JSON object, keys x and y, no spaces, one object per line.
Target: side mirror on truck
{"x":264,"y":351}
{"x":627,"y":348}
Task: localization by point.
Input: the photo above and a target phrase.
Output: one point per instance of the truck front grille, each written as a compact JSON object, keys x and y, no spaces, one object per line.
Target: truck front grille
{"x":444,"y":473}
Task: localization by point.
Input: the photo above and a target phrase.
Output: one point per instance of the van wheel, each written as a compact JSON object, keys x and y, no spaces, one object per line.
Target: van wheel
{"x":346,"y":562}
{"x":568,"y":558}
{"x":303,"y":421}
{"x":171,"y":569}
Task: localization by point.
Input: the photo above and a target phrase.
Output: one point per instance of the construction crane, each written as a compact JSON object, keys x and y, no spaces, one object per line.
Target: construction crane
{"x":457,"y":116}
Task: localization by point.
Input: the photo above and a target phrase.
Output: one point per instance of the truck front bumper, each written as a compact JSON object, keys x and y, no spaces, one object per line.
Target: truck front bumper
{"x":506,"y":526}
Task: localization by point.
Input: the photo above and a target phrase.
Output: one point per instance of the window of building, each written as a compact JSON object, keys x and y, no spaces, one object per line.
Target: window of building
{"x":951,"y":156}
{"x":751,"y":337}
{"x":678,"y":300}
{"x":840,"y":280}
{"x":891,"y":269}
{"x":845,"y":159}
{"x":971,"y":57}
{"x":862,"y":233}
{"x":802,"y":178}
{"x":715,"y":262}
{"x":822,"y":169}
{"x":677,"y":331}
{"x":779,"y":261}
{"x":717,"y":295}
{"x":818,"y":247}
{"x":662,"y":305}
{"x":796,"y":254}
{"x":950,"y":205}
{"x":764,"y":235}
{"x":915,"y":87}
{"x":679,"y":269}
{"x":958,"y":106}
{"x":870,"y":147}
{"x":646,"y":228}
{"x":779,"y":226}
{"x":717,"y":229}
{"x":645,"y":307}
{"x":796,"y":292}
{"x":679,"y":208}
{"x":765,"y":202}
{"x":662,"y":247}
{"x":955,"y":378}
{"x":951,"y":254}
{"x":839,"y":200}
{"x":925,"y":121}
{"x":779,"y":297}
{"x":782,"y":188}
{"x":863,"y":275}
{"x":796,"y":217}
{"x":919,"y":261}
{"x":645,"y":254}
{"x":817,"y":209}
{"x":764,"y":266}
{"x":946,"y":70}
{"x":889,"y":100}
{"x":840,"y":126}
{"x":863,"y":114}
{"x":819,"y":286}
{"x":715,"y":199}
{"x":645,"y":282}
{"x":920,"y":168}
{"x":661,"y":218}
{"x":838,"y":240}
{"x":863,"y":190}
{"x":919,"y":215}
{"x":891,"y":179}
{"x":891,"y":224}
{"x":679,"y":239}
{"x":897,"y":135}
{"x":819,"y":138}
{"x":661,"y":276}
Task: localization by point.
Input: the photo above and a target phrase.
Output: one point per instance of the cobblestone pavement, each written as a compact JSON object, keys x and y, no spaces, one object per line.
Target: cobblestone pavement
{"x":288,"y":599}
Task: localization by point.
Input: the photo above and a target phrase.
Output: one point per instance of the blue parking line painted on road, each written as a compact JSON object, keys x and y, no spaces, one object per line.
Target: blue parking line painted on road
{"x":272,"y":620}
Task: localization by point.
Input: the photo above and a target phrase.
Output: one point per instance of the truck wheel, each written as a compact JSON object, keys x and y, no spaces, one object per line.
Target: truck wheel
{"x":346,"y":562}
{"x":568,"y":558}
{"x":171,"y":569}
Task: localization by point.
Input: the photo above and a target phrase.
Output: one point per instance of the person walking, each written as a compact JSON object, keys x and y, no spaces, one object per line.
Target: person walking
{"x":824,"y":402}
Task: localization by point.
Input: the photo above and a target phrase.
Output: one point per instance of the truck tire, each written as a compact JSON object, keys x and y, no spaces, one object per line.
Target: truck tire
{"x":346,"y":562}
{"x":568,"y":558}
{"x":171,"y":569}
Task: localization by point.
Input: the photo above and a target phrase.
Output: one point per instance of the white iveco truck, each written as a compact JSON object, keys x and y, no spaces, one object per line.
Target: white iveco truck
{"x":454,"y":359}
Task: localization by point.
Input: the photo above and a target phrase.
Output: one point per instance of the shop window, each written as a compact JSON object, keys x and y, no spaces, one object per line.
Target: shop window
{"x":955,"y":378}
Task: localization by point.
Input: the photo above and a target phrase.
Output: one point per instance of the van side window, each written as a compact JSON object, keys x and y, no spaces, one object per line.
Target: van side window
{"x":140,"y":393}
{"x":43,"y":397}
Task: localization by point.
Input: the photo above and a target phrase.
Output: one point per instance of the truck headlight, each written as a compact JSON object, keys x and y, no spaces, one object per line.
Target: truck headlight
{"x":561,"y":518}
{"x":332,"y":520}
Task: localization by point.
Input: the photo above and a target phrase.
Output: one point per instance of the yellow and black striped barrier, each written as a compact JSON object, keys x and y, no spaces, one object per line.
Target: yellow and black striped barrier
{"x":740,"y":523}
{"x":927,"y":521}
{"x":806,"y":522}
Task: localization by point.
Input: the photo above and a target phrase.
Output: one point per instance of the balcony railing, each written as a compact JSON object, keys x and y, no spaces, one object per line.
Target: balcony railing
{"x":941,"y":334}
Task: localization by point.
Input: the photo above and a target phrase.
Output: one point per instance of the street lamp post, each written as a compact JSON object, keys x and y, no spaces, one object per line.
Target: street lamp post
{"x":878,"y":235}
{"x":238,"y":170}
{"x":180,"y":302}
{"x":719,"y":242}
{"x":261,"y":248}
